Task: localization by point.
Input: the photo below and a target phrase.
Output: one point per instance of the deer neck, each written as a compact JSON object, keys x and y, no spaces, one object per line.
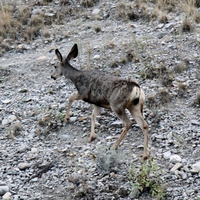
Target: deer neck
{"x":70,"y":72}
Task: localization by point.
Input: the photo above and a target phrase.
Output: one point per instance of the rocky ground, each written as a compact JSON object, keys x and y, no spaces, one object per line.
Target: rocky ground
{"x":42,"y":157}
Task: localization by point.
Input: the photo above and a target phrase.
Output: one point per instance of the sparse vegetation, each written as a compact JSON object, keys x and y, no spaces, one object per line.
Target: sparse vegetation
{"x":197,"y":99}
{"x":186,"y":25}
{"x":164,"y":95}
{"x":108,"y":160}
{"x":148,"y":179}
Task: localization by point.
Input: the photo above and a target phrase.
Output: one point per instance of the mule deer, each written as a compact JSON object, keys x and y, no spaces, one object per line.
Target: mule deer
{"x":107,"y":91}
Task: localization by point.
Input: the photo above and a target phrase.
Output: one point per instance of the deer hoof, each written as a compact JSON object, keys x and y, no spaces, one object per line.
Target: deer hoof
{"x":67,"y":118}
{"x":92,"y":138}
{"x":114,"y":147}
{"x":145,"y":156}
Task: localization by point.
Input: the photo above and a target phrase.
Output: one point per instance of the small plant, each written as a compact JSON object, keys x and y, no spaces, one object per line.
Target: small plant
{"x":151,"y":101}
{"x":197,"y":99}
{"x":148,"y":179}
{"x":164,"y":95}
{"x":88,"y":3}
{"x":45,"y":33}
{"x":151,"y":72}
{"x":180,"y":67}
{"x":182,"y":88}
{"x":186,"y":25}
{"x":97,"y":29}
{"x":108,"y":160}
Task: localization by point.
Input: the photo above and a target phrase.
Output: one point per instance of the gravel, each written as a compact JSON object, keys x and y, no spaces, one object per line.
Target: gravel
{"x":42,"y":157}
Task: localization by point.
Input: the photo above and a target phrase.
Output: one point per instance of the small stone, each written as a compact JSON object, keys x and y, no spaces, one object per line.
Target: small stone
{"x":3,"y":189}
{"x":42,"y":58}
{"x":195,"y":122}
{"x":34,"y":150}
{"x":4,"y":122}
{"x":117,"y":124}
{"x":7,"y":196}
{"x":12,"y":118}
{"x":167,"y":155}
{"x":196,"y":167}
{"x":160,"y":25}
{"x":96,"y":57}
{"x":175,"y":158}
{"x":73,"y":119}
{"x":96,"y":11}
{"x":6,"y":101}
{"x":9,"y":119}
{"x":176,"y":167}
{"x":24,"y":165}
{"x":182,"y":174}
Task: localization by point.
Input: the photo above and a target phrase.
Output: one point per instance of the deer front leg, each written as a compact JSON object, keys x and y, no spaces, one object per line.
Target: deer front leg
{"x":95,"y":112}
{"x":71,"y":99}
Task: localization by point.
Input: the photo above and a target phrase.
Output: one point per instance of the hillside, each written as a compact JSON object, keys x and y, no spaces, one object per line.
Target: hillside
{"x":156,"y":43}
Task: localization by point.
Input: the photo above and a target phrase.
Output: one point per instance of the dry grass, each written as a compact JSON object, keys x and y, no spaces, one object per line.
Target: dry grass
{"x":45,"y":33}
{"x":186,"y":25}
{"x":197,"y":99}
{"x":19,"y":17}
{"x":88,"y":3}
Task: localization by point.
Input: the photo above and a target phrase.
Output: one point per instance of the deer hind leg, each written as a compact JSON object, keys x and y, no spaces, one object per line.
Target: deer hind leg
{"x":121,"y":114}
{"x":71,"y":99}
{"x":136,"y":112}
{"x":95,"y":112}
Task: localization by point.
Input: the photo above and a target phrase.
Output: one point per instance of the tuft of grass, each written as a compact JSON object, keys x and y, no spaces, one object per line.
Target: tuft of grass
{"x":182,"y":88}
{"x":36,"y":20}
{"x":151,"y":101}
{"x":24,"y":15}
{"x":108,"y":160}
{"x":45,"y":33}
{"x":186,"y":25}
{"x":180,"y":67}
{"x":147,"y":179}
{"x":97,"y":29}
{"x":164,"y":95}
{"x":163,"y":18}
{"x":151,"y":72}
{"x":197,"y":99}
{"x":64,"y":2}
{"x":126,"y":12}
{"x":196,"y":17}
{"x":88,"y":3}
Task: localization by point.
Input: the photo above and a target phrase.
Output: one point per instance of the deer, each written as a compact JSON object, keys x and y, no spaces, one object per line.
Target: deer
{"x":107,"y":91}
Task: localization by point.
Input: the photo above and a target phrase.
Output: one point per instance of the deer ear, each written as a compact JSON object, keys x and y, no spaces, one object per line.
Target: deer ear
{"x":73,"y":53}
{"x":58,"y":54}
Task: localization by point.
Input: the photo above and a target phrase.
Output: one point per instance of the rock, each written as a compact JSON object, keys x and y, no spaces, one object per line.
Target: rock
{"x":117,"y":124}
{"x":6,"y":101}
{"x":7,"y":196}
{"x":34,"y":150}
{"x":182,"y":174}
{"x":167,"y":155}
{"x":196,"y":167}
{"x":96,"y":11}
{"x":176,"y":167}
{"x":195,"y":122}
{"x":96,"y":57}
{"x":3,"y":189}
{"x":42,"y":58}
{"x":9,"y":119}
{"x":24,"y":165}
{"x":175,"y":158}
{"x":73,"y":119}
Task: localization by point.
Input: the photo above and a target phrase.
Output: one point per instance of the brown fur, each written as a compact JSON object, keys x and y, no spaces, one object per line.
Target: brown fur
{"x":104,"y":90}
